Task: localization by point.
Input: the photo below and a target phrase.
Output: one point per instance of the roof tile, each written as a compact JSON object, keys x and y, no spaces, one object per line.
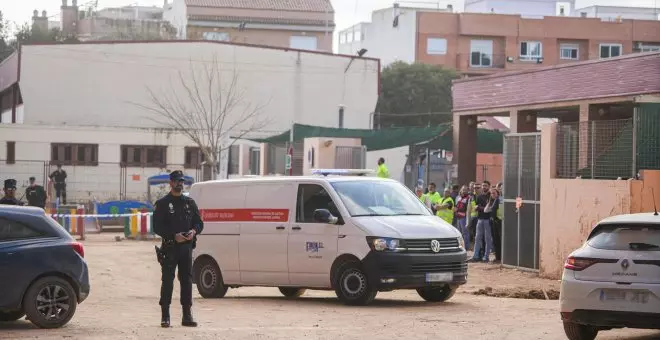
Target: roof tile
{"x":278,"y":5}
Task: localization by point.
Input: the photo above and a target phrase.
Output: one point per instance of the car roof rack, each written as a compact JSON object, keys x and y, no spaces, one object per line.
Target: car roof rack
{"x":342,"y":172}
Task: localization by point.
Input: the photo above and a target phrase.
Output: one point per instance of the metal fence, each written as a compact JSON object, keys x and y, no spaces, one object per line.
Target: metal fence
{"x":103,"y":182}
{"x":599,"y":149}
{"x":647,"y":136}
{"x":350,"y":157}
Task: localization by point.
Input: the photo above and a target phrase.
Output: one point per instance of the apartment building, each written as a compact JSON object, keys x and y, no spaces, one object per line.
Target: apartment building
{"x":485,"y":43}
{"x":299,"y":24}
{"x":476,"y":43}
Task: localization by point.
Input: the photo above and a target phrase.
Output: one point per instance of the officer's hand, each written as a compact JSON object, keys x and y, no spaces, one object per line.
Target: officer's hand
{"x":179,"y":238}
{"x":191,"y":234}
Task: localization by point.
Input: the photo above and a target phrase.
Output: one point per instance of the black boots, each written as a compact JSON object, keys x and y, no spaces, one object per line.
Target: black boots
{"x":187,"y":319}
{"x":165,"y":316}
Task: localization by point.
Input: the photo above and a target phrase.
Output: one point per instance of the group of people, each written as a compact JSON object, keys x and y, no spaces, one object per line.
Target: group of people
{"x":35,"y":194}
{"x":475,"y":210}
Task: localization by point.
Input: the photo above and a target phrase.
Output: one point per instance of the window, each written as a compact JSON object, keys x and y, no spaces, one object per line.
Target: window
{"x":610,"y":50}
{"x":481,"y":53}
{"x":342,"y":38}
{"x":234,"y":154}
{"x":531,"y":50}
{"x":145,"y":156}
{"x":216,"y":36}
{"x":370,"y":198}
{"x":74,"y":154}
{"x":649,"y":48}
{"x":12,"y":230}
{"x":193,"y":157}
{"x":303,"y":43}
{"x":255,"y":161}
{"x":626,"y":237}
{"x":357,"y":36}
{"x":310,"y":198}
{"x":569,"y":52}
{"x":349,"y":37}
{"x":11,"y":153}
{"x":436,"y":46}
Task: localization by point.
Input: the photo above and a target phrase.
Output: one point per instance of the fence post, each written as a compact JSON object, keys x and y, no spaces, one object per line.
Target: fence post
{"x":81,"y":222}
{"x":634,"y":143}
{"x":127,"y":226}
{"x":593,"y":132}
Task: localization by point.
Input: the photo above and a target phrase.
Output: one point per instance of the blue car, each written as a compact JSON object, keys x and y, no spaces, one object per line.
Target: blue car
{"x":43,"y":273}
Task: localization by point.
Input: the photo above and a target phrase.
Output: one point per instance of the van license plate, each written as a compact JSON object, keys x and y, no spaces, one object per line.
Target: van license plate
{"x":623,"y":295}
{"x":439,"y":277}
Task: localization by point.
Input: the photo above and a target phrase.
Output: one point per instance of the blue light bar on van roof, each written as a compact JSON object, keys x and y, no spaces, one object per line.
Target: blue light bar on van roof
{"x":342,"y":172}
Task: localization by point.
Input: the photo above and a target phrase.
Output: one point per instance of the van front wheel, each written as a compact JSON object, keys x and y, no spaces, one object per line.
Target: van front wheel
{"x":352,"y":285}
{"x":437,"y":294}
{"x":209,"y":280}
{"x":292,"y":292}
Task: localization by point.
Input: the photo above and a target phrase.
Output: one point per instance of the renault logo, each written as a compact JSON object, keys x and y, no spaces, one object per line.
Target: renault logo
{"x":625,"y":264}
{"x":435,"y":246}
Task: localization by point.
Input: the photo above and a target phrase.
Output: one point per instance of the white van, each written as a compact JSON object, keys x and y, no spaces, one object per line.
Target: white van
{"x":354,"y":235}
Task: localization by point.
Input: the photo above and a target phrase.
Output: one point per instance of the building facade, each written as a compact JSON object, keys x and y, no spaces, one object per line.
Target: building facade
{"x":525,"y":8}
{"x":486,"y":43}
{"x":117,"y":23}
{"x":614,"y":13}
{"x":298,"y":24}
{"x":87,"y":106}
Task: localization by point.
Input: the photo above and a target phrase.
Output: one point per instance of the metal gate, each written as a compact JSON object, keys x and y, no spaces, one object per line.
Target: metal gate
{"x":350,"y":157}
{"x":522,"y":206}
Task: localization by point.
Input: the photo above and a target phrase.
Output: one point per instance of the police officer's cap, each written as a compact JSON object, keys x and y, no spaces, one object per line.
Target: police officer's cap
{"x":176,"y":175}
{"x":10,"y":184}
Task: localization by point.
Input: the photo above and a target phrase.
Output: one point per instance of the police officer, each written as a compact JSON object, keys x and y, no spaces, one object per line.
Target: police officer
{"x":10,"y":193}
{"x":59,"y":177}
{"x":35,"y":194}
{"x":177,"y":221}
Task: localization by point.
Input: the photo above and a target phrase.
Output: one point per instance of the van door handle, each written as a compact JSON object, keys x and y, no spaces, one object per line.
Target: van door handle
{"x":280,"y":227}
{"x":296,"y":228}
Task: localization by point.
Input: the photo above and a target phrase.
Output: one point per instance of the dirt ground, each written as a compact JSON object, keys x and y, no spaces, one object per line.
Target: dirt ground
{"x":123,"y":304}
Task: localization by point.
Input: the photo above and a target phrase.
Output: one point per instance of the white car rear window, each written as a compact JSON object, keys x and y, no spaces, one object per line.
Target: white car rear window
{"x":627,"y":237}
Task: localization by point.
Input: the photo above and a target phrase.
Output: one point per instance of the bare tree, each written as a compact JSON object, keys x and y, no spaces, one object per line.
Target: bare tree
{"x":206,"y":108}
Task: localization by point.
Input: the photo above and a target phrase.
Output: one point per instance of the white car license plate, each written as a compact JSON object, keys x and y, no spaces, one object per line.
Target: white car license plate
{"x":439,"y":277}
{"x":624,"y":295}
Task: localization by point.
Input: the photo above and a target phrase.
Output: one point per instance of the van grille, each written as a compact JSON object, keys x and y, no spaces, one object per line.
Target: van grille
{"x":440,"y":267}
{"x":447,"y":245}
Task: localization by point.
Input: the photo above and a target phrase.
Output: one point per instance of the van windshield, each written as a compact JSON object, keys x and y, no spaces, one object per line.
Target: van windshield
{"x":375,"y":198}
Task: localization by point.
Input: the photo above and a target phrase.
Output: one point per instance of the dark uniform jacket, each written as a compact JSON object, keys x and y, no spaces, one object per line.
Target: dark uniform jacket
{"x":59,"y":176}
{"x":10,"y":201}
{"x":36,"y":196}
{"x":176,"y":214}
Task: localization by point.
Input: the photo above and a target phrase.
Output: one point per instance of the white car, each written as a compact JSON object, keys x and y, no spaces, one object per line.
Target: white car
{"x":613,"y":280}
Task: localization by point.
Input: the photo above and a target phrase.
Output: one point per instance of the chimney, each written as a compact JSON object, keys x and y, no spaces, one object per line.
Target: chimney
{"x":450,"y":8}
{"x":69,"y":18}
{"x":39,"y":23}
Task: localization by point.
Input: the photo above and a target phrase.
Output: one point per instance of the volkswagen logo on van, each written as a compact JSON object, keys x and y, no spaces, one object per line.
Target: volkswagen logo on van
{"x":435,"y":246}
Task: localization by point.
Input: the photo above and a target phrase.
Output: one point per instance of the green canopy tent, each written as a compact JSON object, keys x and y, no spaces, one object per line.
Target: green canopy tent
{"x":439,"y":137}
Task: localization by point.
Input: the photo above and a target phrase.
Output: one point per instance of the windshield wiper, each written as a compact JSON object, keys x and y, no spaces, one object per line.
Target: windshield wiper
{"x":363,"y":215}
{"x":639,"y":245}
{"x":410,"y":214}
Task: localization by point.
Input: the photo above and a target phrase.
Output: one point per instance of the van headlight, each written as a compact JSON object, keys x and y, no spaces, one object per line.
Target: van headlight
{"x":384,"y":244}
{"x":461,"y":242}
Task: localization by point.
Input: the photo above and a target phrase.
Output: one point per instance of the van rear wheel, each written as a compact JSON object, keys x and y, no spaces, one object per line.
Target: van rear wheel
{"x":352,"y":285}
{"x":292,"y":292}
{"x":209,"y":280}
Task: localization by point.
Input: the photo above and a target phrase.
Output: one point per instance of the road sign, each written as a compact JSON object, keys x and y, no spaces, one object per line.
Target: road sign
{"x":287,"y":164}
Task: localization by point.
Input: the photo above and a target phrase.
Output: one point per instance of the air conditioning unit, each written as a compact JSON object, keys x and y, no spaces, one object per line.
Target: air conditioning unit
{"x":583,"y":14}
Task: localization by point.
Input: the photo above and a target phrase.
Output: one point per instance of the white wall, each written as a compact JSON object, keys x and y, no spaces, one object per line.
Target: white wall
{"x":388,"y":43}
{"x":5,"y":117}
{"x":102,"y":182}
{"x":395,"y":160}
{"x":177,"y":16}
{"x":100,"y":84}
{"x":526,"y":8}
{"x":611,"y":13}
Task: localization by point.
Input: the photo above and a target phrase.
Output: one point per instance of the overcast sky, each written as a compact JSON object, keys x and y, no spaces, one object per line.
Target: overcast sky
{"x":347,"y":12}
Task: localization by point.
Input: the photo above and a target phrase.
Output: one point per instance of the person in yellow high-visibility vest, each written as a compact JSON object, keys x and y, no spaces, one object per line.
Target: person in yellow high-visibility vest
{"x":433,"y":197}
{"x":382,"y":169}
{"x":445,"y":208}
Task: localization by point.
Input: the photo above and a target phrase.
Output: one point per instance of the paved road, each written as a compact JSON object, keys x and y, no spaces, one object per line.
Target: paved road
{"x":123,"y":305}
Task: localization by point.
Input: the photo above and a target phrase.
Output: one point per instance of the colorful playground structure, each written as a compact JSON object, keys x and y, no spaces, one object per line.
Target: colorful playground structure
{"x":134,"y":216}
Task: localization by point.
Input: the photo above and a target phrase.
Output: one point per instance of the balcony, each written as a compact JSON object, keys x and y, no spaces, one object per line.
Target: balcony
{"x":479,"y":62}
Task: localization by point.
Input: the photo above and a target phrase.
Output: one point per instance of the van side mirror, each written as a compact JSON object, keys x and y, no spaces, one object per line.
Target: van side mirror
{"x":324,"y":216}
